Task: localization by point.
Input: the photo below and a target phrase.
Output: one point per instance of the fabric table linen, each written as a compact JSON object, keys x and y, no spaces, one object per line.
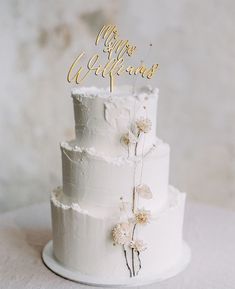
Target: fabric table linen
{"x":209,"y":231}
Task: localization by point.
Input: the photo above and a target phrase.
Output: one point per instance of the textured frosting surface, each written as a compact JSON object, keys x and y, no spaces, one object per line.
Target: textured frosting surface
{"x":115,"y":189}
{"x":82,"y":241}
{"x":98,"y":182}
{"x":101,"y":118}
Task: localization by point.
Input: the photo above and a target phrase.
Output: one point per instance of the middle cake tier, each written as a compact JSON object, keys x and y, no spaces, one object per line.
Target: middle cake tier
{"x":98,"y":182}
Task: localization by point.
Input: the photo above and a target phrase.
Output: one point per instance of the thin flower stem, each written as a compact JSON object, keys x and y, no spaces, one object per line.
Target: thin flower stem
{"x":132,"y":252}
{"x":133,"y":232}
{"x":142,"y":160}
{"x":136,"y":144}
{"x":127,"y":264}
{"x":133,"y":261}
{"x":133,"y":200}
{"x":134,"y":189}
{"x":142,"y":155}
{"x":140,"y":264}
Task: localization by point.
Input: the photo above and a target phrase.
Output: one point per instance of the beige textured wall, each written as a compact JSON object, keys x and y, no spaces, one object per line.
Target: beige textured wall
{"x":192,"y":40}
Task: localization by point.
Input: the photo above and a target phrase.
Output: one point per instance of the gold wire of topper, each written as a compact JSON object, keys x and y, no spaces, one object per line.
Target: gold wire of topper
{"x":117,"y":50}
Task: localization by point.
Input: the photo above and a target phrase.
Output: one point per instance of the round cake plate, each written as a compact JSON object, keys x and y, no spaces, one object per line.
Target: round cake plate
{"x":50,"y":261}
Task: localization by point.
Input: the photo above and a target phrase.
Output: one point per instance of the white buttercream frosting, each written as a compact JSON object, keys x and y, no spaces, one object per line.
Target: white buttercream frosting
{"x":114,"y":164}
{"x":57,"y":202}
{"x":101,"y":117}
{"x":82,"y":241}
{"x":122,"y":91}
{"x":97,"y":181}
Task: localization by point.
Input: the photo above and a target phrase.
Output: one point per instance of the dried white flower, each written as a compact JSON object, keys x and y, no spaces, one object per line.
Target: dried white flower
{"x":144,"y":191}
{"x":138,"y":245}
{"x":144,"y":125}
{"x":128,"y":139}
{"x":142,"y":216}
{"x":121,"y":233}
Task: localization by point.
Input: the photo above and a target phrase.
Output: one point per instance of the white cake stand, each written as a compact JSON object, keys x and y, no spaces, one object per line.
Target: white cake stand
{"x":50,"y":261}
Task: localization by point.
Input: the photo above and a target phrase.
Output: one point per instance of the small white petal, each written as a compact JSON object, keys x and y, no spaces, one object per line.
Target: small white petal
{"x":138,"y":245}
{"x":142,"y":216}
{"x":128,"y":139}
{"x":144,"y":191}
{"x":144,"y":125}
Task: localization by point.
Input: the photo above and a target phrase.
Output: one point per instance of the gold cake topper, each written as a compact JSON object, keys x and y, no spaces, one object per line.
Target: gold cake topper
{"x":117,"y":50}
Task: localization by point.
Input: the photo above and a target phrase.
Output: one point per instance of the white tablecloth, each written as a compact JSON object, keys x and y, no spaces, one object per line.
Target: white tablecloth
{"x":209,"y":231}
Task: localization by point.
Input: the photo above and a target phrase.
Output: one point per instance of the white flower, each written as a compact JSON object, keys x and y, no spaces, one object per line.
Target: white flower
{"x":121,"y":233}
{"x":142,"y":216}
{"x":128,"y":138}
{"x":144,"y":191}
{"x":138,"y":245}
{"x":144,"y":125}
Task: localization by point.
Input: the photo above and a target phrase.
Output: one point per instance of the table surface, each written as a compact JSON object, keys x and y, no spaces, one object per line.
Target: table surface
{"x":208,"y":230}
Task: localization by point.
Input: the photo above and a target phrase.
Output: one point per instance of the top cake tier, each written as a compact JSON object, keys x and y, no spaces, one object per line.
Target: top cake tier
{"x":103,"y":118}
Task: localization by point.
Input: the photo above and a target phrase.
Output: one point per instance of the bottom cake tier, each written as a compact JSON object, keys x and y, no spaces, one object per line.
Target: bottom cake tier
{"x":82,"y":240}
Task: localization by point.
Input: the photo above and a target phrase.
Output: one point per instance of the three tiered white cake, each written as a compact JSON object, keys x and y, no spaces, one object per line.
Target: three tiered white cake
{"x":116,"y":220}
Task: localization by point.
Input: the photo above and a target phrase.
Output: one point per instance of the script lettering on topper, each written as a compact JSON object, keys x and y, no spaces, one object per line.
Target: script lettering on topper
{"x":117,"y":51}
